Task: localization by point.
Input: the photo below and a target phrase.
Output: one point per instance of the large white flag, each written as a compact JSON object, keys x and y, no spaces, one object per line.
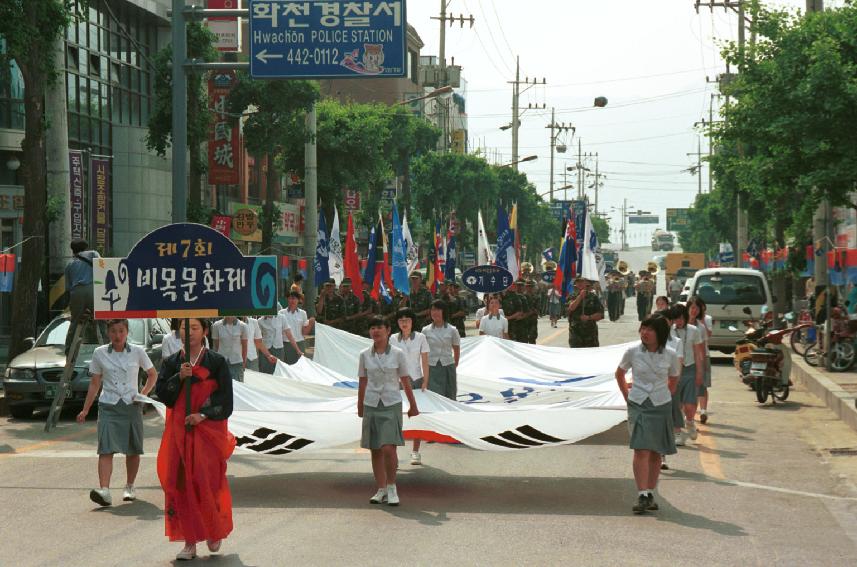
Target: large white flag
{"x":485,"y":256}
{"x":589,"y":268}
{"x":413,"y":253}
{"x":334,"y":260}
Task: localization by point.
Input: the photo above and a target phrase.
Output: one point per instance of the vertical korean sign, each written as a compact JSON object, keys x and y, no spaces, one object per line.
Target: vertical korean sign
{"x":223,"y":136}
{"x":226,"y":30}
{"x":75,"y":168}
{"x":99,"y":182}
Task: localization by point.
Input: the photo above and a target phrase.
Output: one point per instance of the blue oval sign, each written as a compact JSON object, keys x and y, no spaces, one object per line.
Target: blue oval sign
{"x":547,"y":277}
{"x":487,"y":279}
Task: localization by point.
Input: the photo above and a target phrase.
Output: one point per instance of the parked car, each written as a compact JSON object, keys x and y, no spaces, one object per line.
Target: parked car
{"x":32,"y":378}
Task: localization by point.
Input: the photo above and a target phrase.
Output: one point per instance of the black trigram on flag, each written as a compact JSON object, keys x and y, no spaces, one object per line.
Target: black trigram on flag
{"x":523,"y":437}
{"x":271,"y":442}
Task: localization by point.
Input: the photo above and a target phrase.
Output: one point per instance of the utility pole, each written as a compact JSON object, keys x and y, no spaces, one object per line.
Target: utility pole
{"x":179,"y":131}
{"x":556,"y":130}
{"x":625,"y":224}
{"x":311,"y":200}
{"x":597,"y":183}
{"x":516,"y":114}
{"x":698,"y":168}
{"x":579,"y":169}
{"x":443,"y":115}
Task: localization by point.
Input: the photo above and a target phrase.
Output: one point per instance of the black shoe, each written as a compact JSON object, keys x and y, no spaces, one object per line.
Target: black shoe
{"x":703,"y":418}
{"x":652,"y":504}
{"x":642,"y":505}
{"x":665,"y":467}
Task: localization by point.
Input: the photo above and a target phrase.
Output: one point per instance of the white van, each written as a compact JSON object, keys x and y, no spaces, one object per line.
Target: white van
{"x":726,"y":292}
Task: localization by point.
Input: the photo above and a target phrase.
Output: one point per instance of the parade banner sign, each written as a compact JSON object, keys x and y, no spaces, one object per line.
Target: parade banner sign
{"x":223,"y":134}
{"x":184,"y":270}
{"x":327,"y":40}
{"x":487,"y":279}
{"x":99,"y":177}
{"x":75,"y":168}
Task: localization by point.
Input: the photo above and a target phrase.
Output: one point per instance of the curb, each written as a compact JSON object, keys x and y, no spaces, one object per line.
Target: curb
{"x":840,"y":401}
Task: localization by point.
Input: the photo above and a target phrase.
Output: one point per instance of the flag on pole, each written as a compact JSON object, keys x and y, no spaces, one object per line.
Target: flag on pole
{"x":504,"y":239}
{"x":563,"y":280}
{"x":412,"y":252}
{"x":320,"y":264}
{"x":484,"y":256}
{"x":435,"y":275}
{"x":589,"y":267}
{"x":400,"y":255}
{"x":383,"y":257}
{"x":7,"y":272}
{"x":334,"y":261}
{"x":515,"y":268}
{"x":451,"y":257}
{"x":371,"y":257}
{"x":352,"y":261}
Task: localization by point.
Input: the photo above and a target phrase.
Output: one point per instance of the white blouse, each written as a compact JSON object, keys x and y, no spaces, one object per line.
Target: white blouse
{"x":651,"y":372}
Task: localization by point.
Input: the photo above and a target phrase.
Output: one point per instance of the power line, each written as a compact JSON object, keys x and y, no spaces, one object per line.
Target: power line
{"x":500,"y":25}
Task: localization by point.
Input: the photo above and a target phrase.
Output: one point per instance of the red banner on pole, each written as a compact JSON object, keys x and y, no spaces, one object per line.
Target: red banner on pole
{"x":222,"y":224}
{"x":223,"y":153}
{"x":75,"y":168}
{"x":99,"y":181}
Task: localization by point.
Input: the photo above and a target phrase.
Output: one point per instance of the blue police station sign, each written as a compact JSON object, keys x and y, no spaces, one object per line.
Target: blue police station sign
{"x":184,"y":270}
{"x":487,"y":279}
{"x":327,"y":39}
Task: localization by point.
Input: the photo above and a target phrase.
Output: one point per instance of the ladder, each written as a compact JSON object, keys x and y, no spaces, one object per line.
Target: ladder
{"x":64,"y":386}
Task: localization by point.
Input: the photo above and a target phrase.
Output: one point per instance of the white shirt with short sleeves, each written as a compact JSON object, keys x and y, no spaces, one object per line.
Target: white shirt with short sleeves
{"x":295,"y":321}
{"x":441,"y":340}
{"x":494,"y":326}
{"x":689,"y":337}
{"x":414,"y":347}
{"x":119,"y":372}
{"x":482,"y":312}
{"x":272,"y":330}
{"x":253,"y":333}
{"x":651,"y":371}
{"x":171,"y":344}
{"x":230,"y":337}
{"x":383,"y":373}
{"x":705,"y":326}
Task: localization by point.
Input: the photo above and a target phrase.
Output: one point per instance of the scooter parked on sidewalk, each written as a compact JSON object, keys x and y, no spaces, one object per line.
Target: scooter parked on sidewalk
{"x":763,"y":361}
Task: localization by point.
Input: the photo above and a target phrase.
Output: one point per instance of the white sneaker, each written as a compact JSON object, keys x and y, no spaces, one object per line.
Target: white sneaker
{"x":680,"y":438}
{"x":187,"y":553}
{"x":392,"y":495}
{"x":416,"y":459}
{"x":691,"y":430}
{"x":129,"y":494}
{"x":379,"y":497}
{"x":101,"y":496}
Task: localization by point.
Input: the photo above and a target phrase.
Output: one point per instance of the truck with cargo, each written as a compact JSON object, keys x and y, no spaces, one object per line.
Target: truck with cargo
{"x":683,"y":265}
{"x":663,"y":240}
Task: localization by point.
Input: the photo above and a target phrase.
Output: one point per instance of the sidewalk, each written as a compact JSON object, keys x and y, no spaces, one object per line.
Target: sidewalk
{"x":838,"y":390}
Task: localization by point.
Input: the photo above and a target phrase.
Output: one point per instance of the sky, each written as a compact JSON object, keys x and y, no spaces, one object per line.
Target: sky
{"x":652,"y":60}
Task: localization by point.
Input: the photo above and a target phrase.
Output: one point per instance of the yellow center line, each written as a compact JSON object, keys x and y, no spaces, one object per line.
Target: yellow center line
{"x":50,"y":442}
{"x":550,"y":337}
{"x":708,"y":457}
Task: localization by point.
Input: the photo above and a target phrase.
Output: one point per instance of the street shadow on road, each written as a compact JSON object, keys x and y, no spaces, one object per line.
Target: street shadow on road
{"x":722,"y":453}
{"x":716,"y":426}
{"x":430,"y":496}
{"x":139,"y":509}
{"x":788,"y":405}
{"x":231,"y":560}
{"x":617,"y":435}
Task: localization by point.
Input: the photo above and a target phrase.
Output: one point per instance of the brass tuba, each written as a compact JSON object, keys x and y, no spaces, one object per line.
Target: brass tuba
{"x":622,"y":266}
{"x":526,"y":268}
{"x":549,"y":266}
{"x":652,"y":268}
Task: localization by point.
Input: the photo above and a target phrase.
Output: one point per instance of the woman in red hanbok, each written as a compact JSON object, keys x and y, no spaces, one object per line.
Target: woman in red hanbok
{"x":196,"y":444}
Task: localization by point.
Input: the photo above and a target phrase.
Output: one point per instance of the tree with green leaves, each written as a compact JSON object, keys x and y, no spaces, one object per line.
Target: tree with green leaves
{"x":275,"y":112}
{"x":30,"y":30}
{"x":200,"y":45}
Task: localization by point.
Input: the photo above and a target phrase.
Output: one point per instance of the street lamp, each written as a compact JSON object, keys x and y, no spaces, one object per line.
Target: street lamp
{"x":435,"y":93}
{"x":522,"y":160}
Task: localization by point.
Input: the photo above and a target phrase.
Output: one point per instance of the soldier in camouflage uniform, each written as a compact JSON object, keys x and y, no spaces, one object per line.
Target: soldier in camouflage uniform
{"x":584,"y":312}
{"x":615,"y":294}
{"x":457,"y":307}
{"x":370,"y":308}
{"x":351,"y":308}
{"x":420,"y":301}
{"x":329,"y":307}
{"x":532,"y":319}
{"x":513,"y":310}
{"x":389,"y":310}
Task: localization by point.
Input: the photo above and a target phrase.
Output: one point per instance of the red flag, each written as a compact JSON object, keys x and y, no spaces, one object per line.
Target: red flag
{"x":382,"y":271}
{"x":352,"y":261}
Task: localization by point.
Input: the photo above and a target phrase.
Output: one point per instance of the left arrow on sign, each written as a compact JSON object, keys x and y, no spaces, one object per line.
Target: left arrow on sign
{"x":263,"y":56}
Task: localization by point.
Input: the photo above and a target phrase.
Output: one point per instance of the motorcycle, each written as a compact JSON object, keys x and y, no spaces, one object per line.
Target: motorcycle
{"x":763,"y":362}
{"x":843,"y":336}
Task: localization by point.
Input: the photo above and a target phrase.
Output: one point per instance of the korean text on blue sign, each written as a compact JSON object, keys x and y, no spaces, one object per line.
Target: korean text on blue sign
{"x":184,"y":270}
{"x":327,"y":39}
{"x":487,"y":279}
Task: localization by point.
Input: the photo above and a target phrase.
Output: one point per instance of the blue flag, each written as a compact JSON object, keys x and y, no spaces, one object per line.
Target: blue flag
{"x":449,"y":270}
{"x":371,"y":257}
{"x":400,"y":256}
{"x":504,"y":238}
{"x":322,"y":252}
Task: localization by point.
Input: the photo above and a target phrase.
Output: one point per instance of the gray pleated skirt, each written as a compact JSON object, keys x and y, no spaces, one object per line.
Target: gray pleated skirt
{"x":651,"y":427}
{"x":382,"y":426}
{"x":687,"y":388}
{"x":443,"y":380}
{"x":120,"y":429}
